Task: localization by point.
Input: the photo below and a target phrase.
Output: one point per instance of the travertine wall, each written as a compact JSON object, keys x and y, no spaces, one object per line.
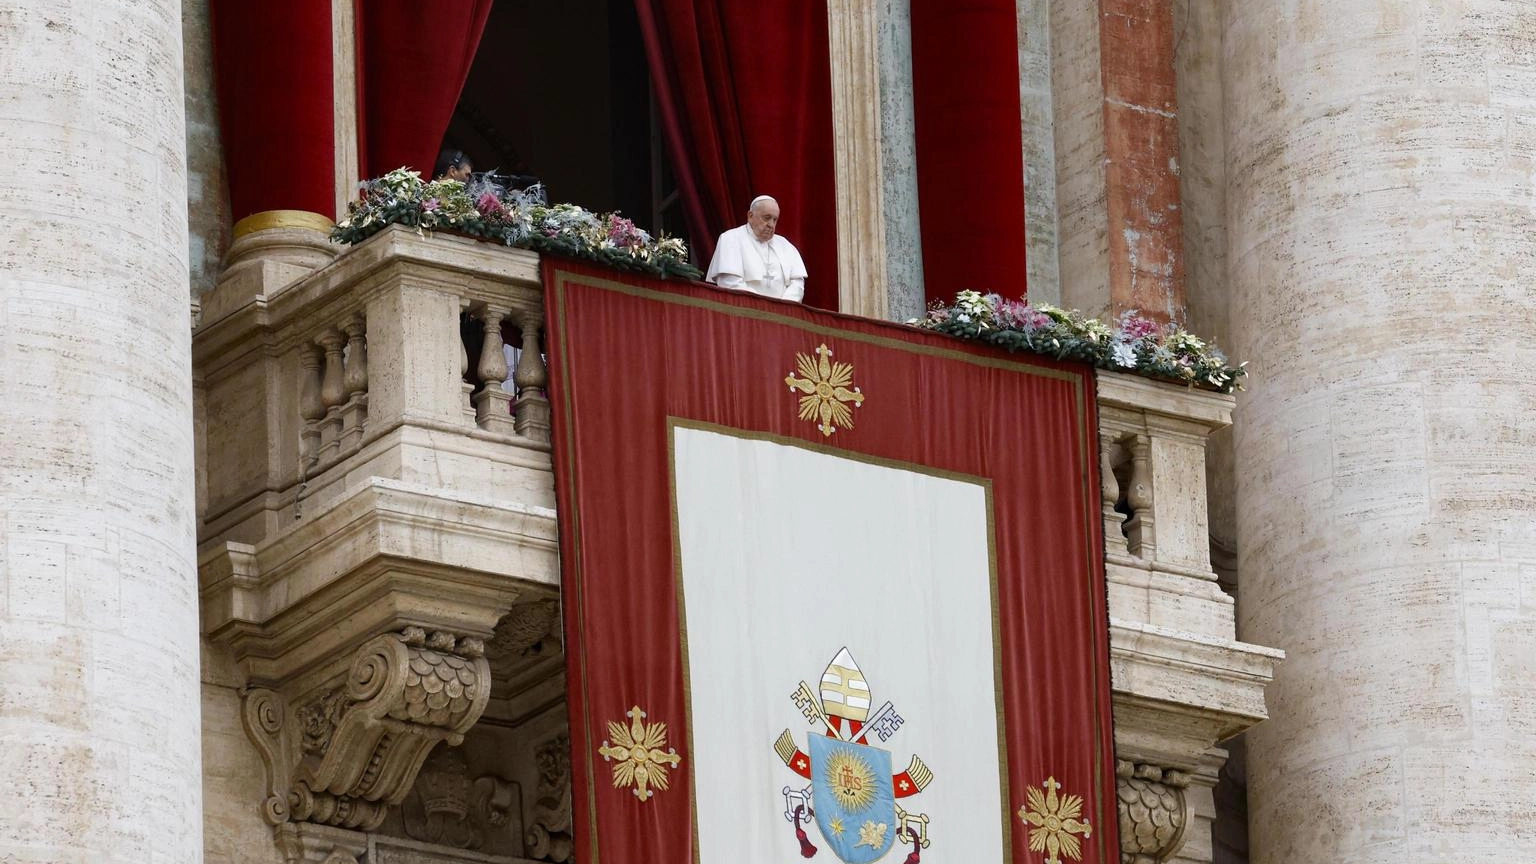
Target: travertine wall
{"x":234,"y":779}
{"x":99,"y":728}
{"x":1383,"y":249}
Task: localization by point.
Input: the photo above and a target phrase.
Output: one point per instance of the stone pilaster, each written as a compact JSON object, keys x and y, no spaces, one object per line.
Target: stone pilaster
{"x":1382,"y":245}
{"x":898,"y":147}
{"x":1035,"y":112}
{"x":98,"y":599}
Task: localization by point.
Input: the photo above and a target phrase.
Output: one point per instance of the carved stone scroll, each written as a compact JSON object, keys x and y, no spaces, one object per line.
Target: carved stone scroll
{"x":348,"y":754}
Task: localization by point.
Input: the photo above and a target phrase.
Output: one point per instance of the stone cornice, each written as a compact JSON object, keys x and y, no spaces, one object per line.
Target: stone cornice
{"x":1192,"y":407}
{"x":362,"y":561}
{"x":1178,"y":694}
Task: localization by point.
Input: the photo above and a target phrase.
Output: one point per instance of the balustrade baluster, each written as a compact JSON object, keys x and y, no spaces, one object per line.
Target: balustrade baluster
{"x":1109,"y":487}
{"x":333,"y":393}
{"x":354,"y":414}
{"x":311,"y":409}
{"x":532,"y":406}
{"x":469,"y":387}
{"x":493,"y":405}
{"x":1140,"y":528}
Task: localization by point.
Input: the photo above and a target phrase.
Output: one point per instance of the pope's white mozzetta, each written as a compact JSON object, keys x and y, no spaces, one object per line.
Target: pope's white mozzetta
{"x":754,"y":257}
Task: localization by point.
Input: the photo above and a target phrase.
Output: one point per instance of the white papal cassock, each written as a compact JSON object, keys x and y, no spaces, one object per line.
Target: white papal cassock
{"x":773,"y":269}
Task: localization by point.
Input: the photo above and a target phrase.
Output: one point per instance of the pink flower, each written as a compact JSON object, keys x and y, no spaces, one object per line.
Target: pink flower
{"x":488,"y":204}
{"x":622,"y":232}
{"x":1134,"y":327}
{"x":431,"y":205}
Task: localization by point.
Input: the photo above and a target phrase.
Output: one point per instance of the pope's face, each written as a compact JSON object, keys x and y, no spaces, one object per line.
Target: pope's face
{"x":763,"y":220}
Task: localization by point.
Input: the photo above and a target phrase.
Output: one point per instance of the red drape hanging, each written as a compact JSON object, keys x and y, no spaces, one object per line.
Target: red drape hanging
{"x":413,"y":58}
{"x":272,"y":67}
{"x":745,"y":95}
{"x":715,"y":364}
{"x":970,"y":164}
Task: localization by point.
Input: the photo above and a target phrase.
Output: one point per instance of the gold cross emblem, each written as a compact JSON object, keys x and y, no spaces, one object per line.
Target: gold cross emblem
{"x":1055,"y":822}
{"x":828,"y":390}
{"x":640,"y":762}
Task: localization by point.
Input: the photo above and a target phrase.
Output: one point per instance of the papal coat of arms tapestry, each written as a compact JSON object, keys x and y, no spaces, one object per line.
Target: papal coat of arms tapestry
{"x":833,"y":588}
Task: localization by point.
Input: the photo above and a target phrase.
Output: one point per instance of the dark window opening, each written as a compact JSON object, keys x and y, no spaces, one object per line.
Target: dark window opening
{"x":561,"y":92}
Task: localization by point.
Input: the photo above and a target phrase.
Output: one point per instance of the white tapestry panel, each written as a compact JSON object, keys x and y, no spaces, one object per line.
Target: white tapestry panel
{"x":789,"y":557}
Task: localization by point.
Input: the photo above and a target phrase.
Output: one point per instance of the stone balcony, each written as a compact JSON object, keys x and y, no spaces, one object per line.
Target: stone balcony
{"x":378,"y":559}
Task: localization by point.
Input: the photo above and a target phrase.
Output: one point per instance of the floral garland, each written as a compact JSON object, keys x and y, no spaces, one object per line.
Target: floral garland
{"x":516,"y":218}
{"x":1135,"y":344}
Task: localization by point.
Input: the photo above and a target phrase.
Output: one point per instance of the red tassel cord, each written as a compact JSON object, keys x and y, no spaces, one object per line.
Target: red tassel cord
{"x":806,"y":849}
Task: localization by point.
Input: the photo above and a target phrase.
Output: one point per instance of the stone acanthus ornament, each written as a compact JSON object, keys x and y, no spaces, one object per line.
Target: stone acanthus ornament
{"x":548,"y":837}
{"x":447,"y":808}
{"x":1152,"y":812}
{"x":350,"y":752}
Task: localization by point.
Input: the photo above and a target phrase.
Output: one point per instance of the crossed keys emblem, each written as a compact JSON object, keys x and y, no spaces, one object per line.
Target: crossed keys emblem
{"x":849,"y":798}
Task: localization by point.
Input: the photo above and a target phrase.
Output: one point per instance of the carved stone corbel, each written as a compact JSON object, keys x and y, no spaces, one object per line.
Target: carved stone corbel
{"x":349,"y":753}
{"x":1152,"y":812}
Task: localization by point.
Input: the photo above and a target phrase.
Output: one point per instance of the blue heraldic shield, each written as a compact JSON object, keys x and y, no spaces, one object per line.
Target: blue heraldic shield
{"x":855,"y":805}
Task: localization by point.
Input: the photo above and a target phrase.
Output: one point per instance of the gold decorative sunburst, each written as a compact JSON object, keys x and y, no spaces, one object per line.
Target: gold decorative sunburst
{"x":852,"y":781}
{"x":1055,"y":822}
{"x":828,"y":389}
{"x":639,"y":761}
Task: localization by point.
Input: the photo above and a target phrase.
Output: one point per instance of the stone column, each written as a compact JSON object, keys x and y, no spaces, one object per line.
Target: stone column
{"x":898,"y":149}
{"x":1382,"y":248}
{"x":856,"y":115}
{"x":99,"y":714}
{"x":1039,"y":136}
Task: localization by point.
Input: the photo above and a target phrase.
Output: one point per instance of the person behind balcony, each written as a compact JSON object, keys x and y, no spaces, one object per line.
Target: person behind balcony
{"x":754,"y":257}
{"x":452,"y":164}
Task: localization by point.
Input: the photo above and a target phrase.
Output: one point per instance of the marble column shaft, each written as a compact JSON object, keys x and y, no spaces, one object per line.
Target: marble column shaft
{"x":99,"y":713}
{"x":1381,"y":240}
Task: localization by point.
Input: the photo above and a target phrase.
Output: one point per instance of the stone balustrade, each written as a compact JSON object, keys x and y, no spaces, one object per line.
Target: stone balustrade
{"x":1181,"y":681}
{"x":377,"y":501}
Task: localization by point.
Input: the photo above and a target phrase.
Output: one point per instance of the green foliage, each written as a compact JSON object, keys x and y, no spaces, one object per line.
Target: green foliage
{"x":513,"y":217}
{"x":1134,"y":345}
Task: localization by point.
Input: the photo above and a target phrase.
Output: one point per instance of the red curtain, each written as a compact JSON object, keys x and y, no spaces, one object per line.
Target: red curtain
{"x":745,"y":94}
{"x":932,"y":404}
{"x":970,"y":164}
{"x":272,"y":69}
{"x":413,"y":58}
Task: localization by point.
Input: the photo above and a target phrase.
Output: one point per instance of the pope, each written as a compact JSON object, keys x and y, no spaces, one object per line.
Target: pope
{"x":754,"y":257}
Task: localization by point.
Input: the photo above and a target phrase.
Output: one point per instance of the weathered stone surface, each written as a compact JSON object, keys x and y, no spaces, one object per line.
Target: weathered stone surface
{"x":1381,"y":242}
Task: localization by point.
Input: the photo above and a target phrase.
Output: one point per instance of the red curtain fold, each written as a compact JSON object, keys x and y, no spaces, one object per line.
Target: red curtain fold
{"x":745,"y":95}
{"x":413,"y":59}
{"x":272,"y":69}
{"x":970,"y":164}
